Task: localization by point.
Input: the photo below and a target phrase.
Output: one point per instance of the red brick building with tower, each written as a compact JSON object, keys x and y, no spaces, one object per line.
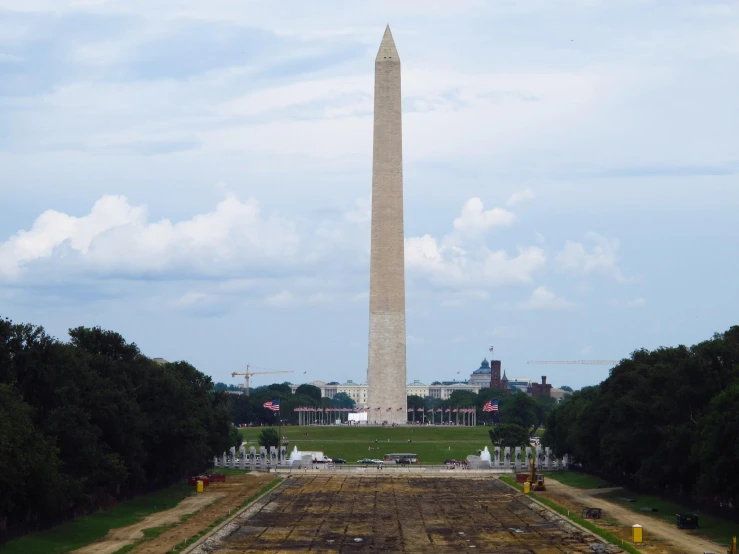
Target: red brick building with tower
{"x":537,"y":390}
{"x":496,"y":382}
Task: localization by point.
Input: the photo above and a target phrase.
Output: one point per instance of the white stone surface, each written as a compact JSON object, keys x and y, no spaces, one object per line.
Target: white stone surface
{"x":386,"y":370}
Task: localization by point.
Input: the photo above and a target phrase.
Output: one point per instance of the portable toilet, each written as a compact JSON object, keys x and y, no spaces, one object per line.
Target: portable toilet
{"x":637,"y":534}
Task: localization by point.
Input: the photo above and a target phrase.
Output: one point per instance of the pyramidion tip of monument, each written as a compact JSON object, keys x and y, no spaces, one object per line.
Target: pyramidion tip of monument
{"x":387,"y":49}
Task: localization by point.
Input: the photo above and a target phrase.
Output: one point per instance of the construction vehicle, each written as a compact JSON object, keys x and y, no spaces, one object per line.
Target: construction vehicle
{"x":536,"y":482}
{"x":732,"y":547}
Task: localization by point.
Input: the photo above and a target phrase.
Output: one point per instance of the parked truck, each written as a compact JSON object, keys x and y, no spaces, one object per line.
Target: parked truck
{"x":318,"y":457}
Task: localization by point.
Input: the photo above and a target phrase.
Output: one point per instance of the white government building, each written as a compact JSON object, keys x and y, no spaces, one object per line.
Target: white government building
{"x":358,"y":391}
{"x":479,"y":379}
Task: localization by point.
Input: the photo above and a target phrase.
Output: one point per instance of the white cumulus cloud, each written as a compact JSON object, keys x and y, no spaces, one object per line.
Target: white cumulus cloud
{"x":601,"y":258}
{"x":543,"y":298}
{"x":449,"y":264}
{"x":117,"y":238}
{"x":518,"y":197}
{"x":458,"y":259}
{"x":475,"y":219}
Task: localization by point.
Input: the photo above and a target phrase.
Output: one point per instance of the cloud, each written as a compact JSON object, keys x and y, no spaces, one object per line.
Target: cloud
{"x":117,"y":238}
{"x":518,"y":197}
{"x":282,"y":299}
{"x":458,"y":299}
{"x":540,"y":238}
{"x":543,"y":298}
{"x":289,"y":299}
{"x":201,"y":304}
{"x":504,"y":332}
{"x":447,"y":264}
{"x":459,"y":260}
{"x":262,"y":257}
{"x":476,"y":220}
{"x":637,"y":302}
{"x":602,"y":258}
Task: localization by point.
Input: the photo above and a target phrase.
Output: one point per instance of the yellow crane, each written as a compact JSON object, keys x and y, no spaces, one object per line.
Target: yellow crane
{"x":248,"y":374}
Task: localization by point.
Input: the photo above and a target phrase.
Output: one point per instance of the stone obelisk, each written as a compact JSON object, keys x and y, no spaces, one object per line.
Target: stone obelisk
{"x":386,"y":393}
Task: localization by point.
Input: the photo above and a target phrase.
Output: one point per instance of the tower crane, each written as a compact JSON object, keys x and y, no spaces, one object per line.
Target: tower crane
{"x":248,"y":374}
{"x":583,"y":362}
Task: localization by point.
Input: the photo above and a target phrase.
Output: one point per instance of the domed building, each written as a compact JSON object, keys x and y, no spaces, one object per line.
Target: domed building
{"x":481,"y":376}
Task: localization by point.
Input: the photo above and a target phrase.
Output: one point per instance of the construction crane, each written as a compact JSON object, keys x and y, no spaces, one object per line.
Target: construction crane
{"x":583,"y":362}
{"x":248,"y":374}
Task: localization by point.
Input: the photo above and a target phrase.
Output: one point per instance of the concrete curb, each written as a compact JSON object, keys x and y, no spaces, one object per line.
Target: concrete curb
{"x":227,"y":521}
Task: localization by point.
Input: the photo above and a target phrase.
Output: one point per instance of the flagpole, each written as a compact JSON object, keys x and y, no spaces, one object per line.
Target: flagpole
{"x":279,"y":416}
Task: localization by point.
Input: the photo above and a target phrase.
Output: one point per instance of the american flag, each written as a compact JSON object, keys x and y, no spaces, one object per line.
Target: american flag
{"x":273,"y":405}
{"x":491,"y":349}
{"x":490,"y":406}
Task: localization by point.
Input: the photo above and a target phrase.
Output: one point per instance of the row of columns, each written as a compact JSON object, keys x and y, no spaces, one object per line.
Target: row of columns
{"x":462,"y":417}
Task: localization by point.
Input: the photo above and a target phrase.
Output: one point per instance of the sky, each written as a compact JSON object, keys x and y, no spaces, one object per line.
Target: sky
{"x":197,"y":177}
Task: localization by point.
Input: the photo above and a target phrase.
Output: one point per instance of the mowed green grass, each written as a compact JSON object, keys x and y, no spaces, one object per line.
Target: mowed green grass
{"x":718,"y":530}
{"x":579,"y":480}
{"x":86,"y":530}
{"x":432,"y":444}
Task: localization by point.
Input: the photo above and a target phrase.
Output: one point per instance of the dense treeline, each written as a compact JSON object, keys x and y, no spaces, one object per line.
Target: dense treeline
{"x":665,"y":420}
{"x":90,"y":421}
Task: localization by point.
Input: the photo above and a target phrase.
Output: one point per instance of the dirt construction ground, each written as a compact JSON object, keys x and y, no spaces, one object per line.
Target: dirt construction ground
{"x":343,"y":513}
{"x":219,"y":499}
{"x":660,"y":537}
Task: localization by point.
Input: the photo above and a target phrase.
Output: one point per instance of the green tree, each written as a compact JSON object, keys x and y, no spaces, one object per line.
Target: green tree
{"x":95,"y":420}
{"x":235,"y":438}
{"x":342,"y":400}
{"x":567,"y":388}
{"x":543,"y":406}
{"x":29,"y":467}
{"x":414,"y":401}
{"x":269,"y":437}
{"x":520,"y":409}
{"x":310,"y":391}
{"x":509,"y":434}
{"x":717,"y":445}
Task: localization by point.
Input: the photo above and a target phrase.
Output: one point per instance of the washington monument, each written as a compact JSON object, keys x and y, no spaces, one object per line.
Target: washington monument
{"x":386,"y":393}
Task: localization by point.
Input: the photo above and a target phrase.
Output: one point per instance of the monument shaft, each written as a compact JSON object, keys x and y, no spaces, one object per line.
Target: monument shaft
{"x":386,"y":373}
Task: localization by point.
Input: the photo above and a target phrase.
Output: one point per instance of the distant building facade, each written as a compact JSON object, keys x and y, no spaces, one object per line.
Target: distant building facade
{"x":540,"y":390}
{"x":481,"y":376}
{"x":358,"y":391}
{"x":487,"y":375}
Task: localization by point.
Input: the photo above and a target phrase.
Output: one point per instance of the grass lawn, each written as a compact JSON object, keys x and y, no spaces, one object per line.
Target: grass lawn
{"x":88,"y":529}
{"x":432,"y":444}
{"x":716,"y":529}
{"x":578,"y":480}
